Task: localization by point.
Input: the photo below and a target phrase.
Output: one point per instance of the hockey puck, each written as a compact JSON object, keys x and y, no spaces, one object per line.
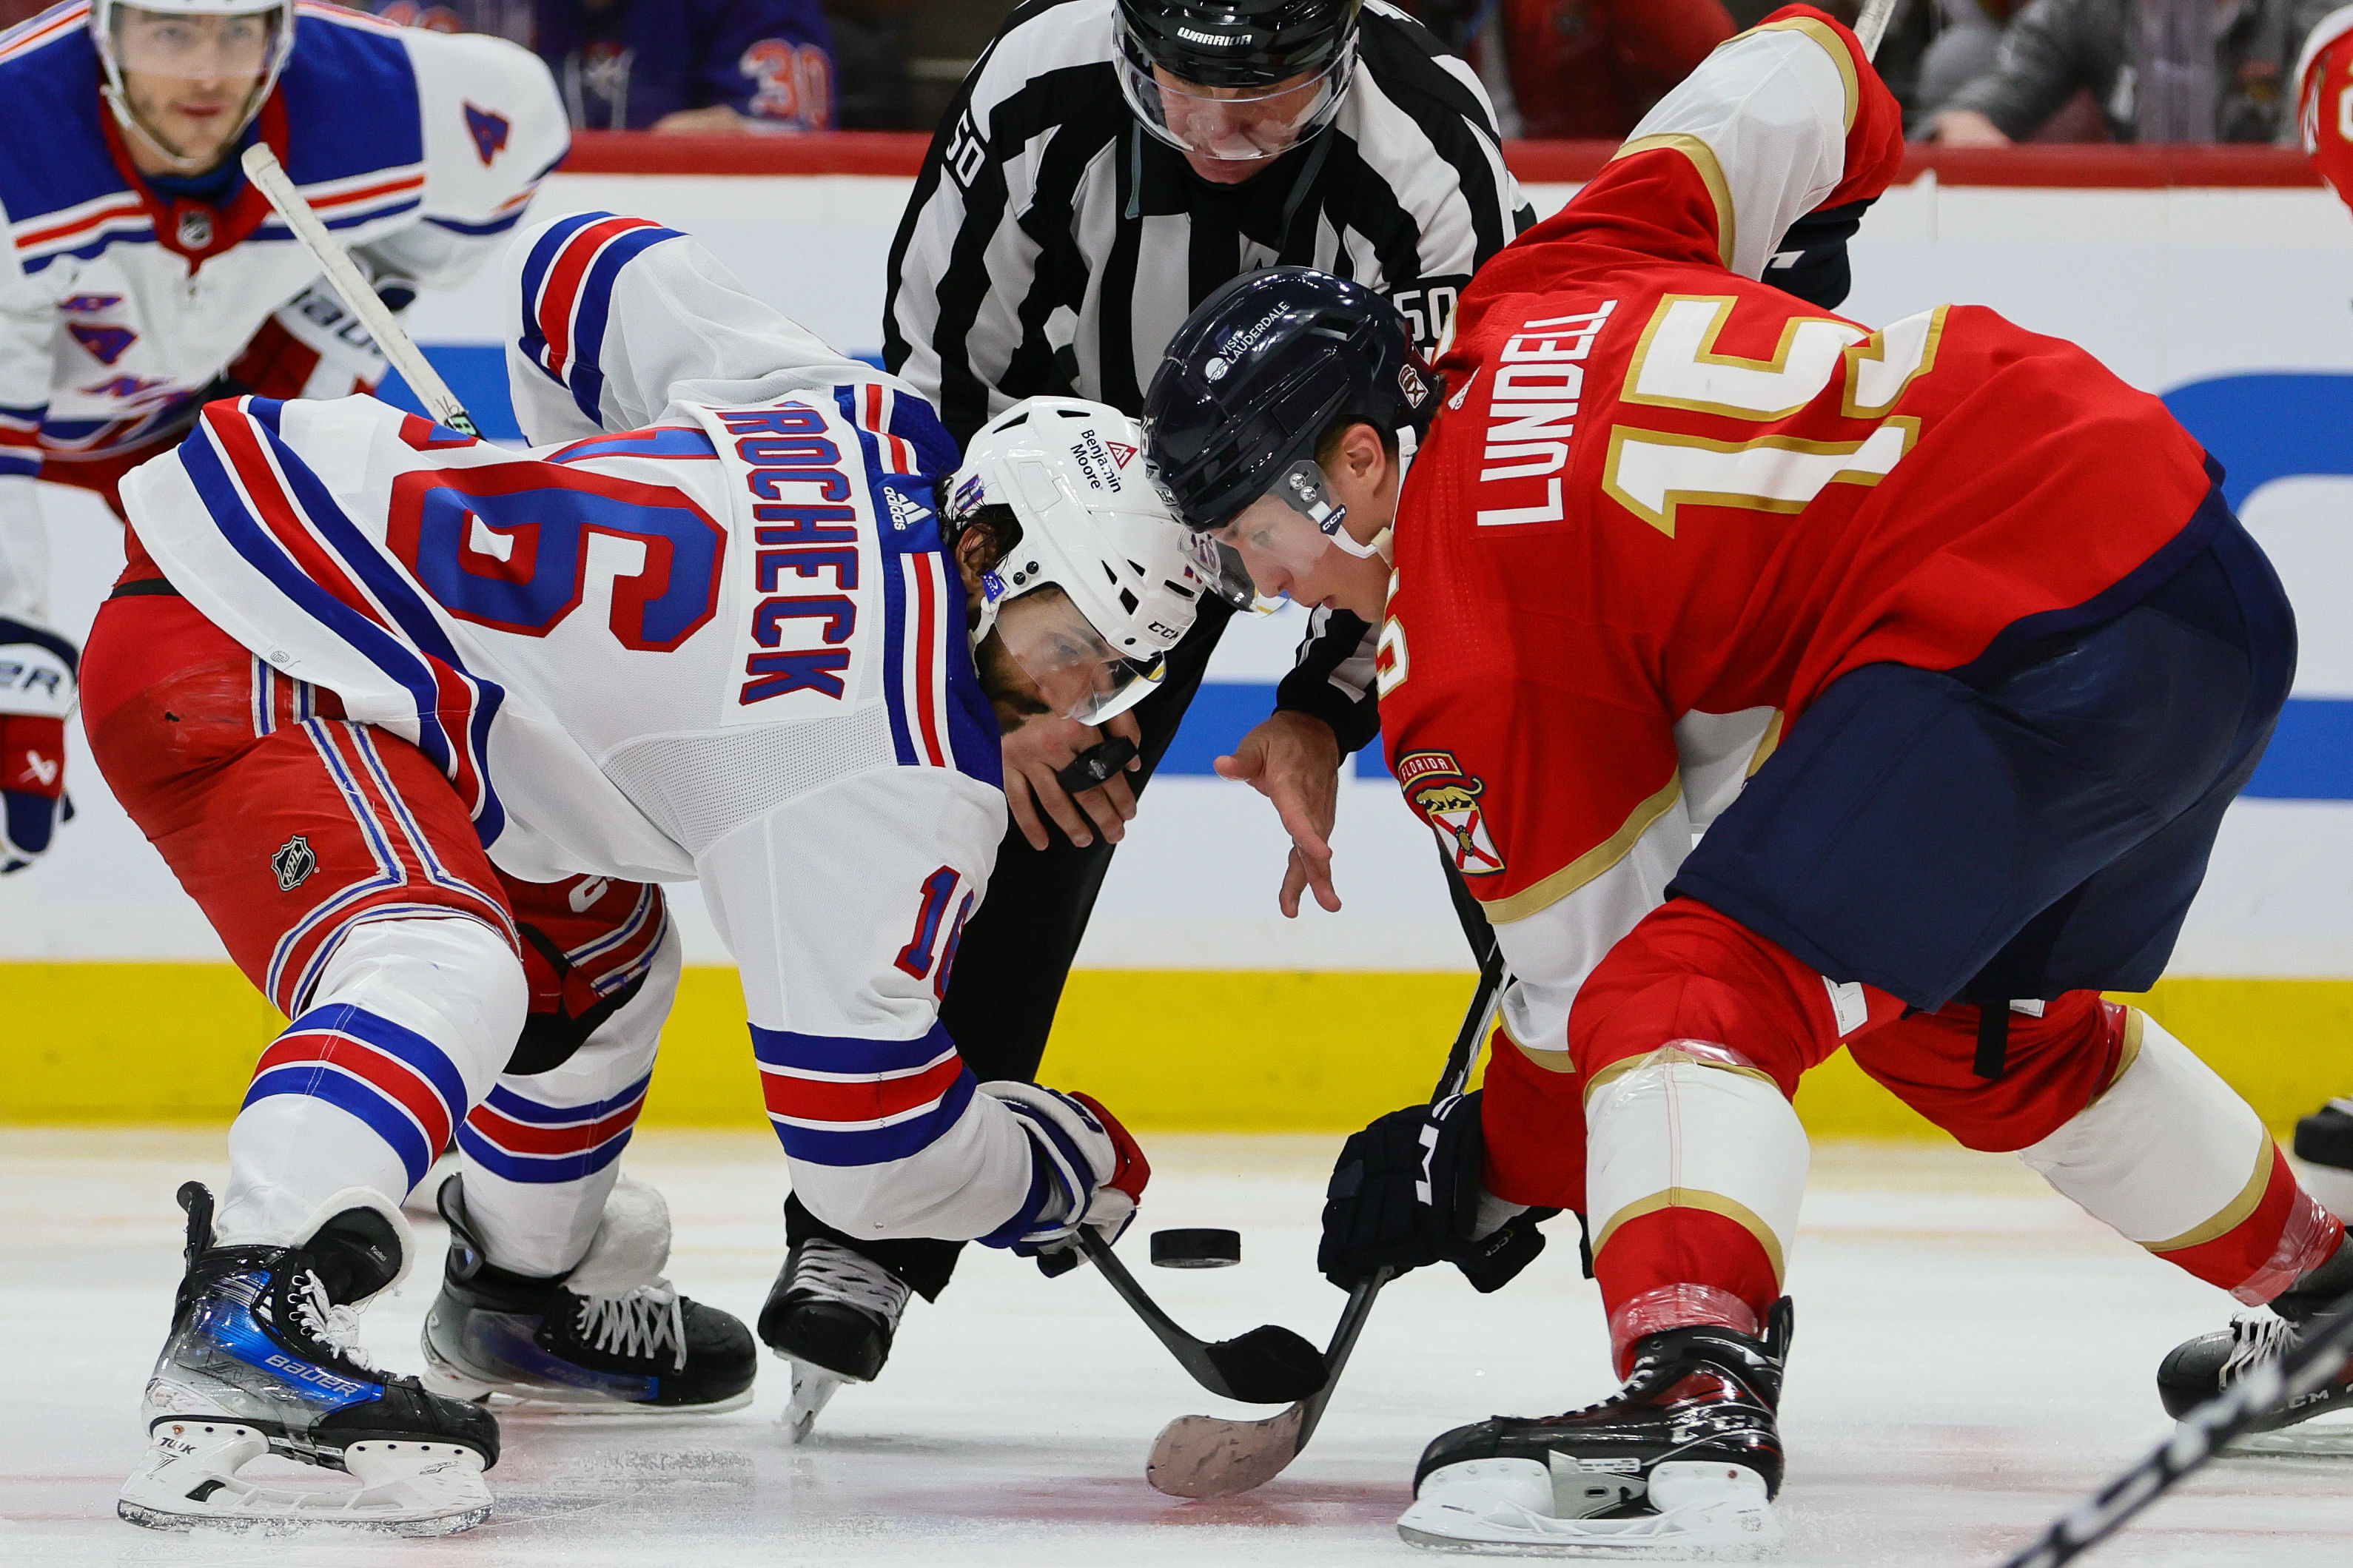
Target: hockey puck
{"x":1195,"y":1249}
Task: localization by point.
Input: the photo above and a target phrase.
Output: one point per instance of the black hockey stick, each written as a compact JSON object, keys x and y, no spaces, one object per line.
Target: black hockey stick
{"x":1268,"y":1365}
{"x":2318,"y":1356}
{"x":1208,"y":1456}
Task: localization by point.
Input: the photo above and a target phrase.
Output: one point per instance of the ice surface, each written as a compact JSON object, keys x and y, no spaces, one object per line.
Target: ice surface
{"x":1972,"y":1356}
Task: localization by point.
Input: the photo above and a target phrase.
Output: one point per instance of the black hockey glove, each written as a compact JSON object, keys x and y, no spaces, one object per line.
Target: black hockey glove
{"x":1811,"y":262}
{"x":1405,"y":1192}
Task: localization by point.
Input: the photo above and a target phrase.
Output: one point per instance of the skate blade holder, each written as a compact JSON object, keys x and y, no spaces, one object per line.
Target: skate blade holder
{"x":401,"y":1486}
{"x":1204,"y":1248}
{"x":1523,"y":1508}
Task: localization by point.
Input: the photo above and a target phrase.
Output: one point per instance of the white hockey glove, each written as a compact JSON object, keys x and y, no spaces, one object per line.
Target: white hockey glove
{"x":37,"y":693}
{"x":1087,"y":1171}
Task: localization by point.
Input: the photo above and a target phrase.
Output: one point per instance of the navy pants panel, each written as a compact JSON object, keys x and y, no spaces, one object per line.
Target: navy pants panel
{"x":2035,"y":830}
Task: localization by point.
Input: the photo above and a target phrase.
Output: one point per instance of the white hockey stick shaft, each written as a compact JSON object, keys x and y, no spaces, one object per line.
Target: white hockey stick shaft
{"x":261,"y":166}
{"x":1872,"y":26}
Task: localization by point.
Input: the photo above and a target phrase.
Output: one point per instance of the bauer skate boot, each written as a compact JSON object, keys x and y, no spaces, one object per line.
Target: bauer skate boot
{"x":2198,"y":1369}
{"x":607,"y":1338}
{"x":830,"y":1315}
{"x":2324,"y":1141}
{"x":1686,"y":1457}
{"x":262,"y":1360}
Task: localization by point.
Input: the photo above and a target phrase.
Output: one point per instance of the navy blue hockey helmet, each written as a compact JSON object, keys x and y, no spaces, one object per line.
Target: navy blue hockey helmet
{"x":1254,"y":378}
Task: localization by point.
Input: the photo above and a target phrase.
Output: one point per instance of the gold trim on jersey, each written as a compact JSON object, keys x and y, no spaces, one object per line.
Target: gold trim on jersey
{"x":2233,"y":1213}
{"x":1662,"y":516}
{"x":1542,"y":895}
{"x":1631,"y":390}
{"x":1874,"y":347}
{"x":1732,"y":1209}
{"x":1766,"y":743}
{"x":1832,"y":45}
{"x":1711,"y":174}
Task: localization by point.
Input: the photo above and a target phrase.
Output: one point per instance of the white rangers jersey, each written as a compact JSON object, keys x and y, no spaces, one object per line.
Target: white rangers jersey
{"x":727,"y":645}
{"x":120,"y":303}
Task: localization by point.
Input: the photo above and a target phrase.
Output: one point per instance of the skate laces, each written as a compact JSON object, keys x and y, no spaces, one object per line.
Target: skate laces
{"x":827,"y":1270}
{"x":2255,"y":1337}
{"x":335,"y":1327}
{"x":640,"y":1325}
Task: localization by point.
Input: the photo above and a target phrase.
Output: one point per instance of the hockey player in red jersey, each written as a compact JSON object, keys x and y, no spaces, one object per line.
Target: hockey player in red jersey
{"x":1943,"y":633}
{"x":143,"y":275}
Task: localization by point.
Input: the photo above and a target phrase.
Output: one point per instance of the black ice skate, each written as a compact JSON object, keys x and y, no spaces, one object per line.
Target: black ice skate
{"x":2198,"y":1369}
{"x":2324,"y":1141}
{"x":534,"y":1341}
{"x":832,"y":1315}
{"x":262,"y":1360}
{"x":1687,"y":1455}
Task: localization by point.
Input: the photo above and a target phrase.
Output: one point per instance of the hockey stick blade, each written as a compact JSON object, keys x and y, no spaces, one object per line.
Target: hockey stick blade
{"x":1268,"y":1365}
{"x":269,"y":177}
{"x":2317,"y":1358}
{"x":1208,"y":1456}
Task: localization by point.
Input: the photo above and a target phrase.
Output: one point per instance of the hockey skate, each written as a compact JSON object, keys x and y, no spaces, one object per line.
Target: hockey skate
{"x":1685,"y":1460}
{"x":2319,"y":1423}
{"x":830,"y":1316}
{"x":2324,"y":1141}
{"x":607,"y":1338}
{"x":261,"y":1360}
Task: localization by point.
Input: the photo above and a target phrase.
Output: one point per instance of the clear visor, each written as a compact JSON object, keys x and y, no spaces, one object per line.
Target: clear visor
{"x":1077,"y":673}
{"x":1233,"y":124}
{"x":209,"y":45}
{"x":1283,"y":535}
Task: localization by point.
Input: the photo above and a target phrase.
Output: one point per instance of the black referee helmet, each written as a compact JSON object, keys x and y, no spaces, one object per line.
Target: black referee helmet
{"x":1238,"y":43}
{"x":1255,"y":378}
{"x":1203,"y":75}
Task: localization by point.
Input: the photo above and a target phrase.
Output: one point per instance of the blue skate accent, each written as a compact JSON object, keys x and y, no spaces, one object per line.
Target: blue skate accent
{"x":516,"y":1354}
{"x":229,"y":1323}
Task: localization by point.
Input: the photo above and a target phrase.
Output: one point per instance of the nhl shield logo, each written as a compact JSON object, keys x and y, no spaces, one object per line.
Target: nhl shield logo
{"x":1447,"y":798}
{"x":294,"y":862}
{"x":195,"y":229}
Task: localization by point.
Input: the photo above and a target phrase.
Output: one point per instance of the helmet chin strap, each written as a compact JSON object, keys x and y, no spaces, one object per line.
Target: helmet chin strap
{"x":1382,"y":546}
{"x":180,"y":162}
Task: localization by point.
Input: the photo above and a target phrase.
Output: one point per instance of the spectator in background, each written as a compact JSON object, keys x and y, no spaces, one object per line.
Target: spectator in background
{"x":2159,"y":70}
{"x":1593,"y":67}
{"x":663,"y":65}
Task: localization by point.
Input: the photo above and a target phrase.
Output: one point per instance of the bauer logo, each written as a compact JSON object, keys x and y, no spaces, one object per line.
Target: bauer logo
{"x":1448,"y":798}
{"x":294,"y":862}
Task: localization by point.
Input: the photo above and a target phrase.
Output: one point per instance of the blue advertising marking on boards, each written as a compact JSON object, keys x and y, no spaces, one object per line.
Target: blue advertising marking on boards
{"x":2282,"y":427}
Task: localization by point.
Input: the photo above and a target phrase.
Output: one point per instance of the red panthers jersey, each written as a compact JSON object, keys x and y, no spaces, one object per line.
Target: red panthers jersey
{"x":1667,"y":504}
{"x":2324,"y":100}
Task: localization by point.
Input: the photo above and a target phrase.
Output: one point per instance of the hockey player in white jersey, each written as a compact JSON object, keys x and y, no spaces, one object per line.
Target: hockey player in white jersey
{"x":746,"y":644}
{"x":143,"y":276}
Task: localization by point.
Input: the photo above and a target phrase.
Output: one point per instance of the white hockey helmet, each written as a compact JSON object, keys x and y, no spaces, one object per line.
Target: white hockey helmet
{"x":1131,"y":576}
{"x":162,"y":50}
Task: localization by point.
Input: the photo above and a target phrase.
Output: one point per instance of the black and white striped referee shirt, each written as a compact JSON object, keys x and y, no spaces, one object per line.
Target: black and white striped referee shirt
{"x":1053,"y":247}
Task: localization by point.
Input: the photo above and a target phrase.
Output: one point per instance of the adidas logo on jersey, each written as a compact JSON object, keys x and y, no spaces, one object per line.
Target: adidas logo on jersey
{"x":906,"y":513}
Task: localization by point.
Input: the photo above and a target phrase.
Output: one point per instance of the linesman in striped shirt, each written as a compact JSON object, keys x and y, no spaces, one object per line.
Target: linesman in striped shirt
{"x":1107,"y":165}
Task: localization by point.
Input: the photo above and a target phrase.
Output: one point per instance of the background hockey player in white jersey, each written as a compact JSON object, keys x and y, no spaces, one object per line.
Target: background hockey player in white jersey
{"x":143,"y":276}
{"x":377,"y":666}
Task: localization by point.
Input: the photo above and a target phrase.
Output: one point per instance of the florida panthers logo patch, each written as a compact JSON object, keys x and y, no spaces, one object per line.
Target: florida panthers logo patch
{"x":1448,"y":799}
{"x":489,"y":131}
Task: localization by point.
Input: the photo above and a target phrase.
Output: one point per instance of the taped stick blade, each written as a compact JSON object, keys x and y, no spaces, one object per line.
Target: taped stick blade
{"x":1208,"y":1456}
